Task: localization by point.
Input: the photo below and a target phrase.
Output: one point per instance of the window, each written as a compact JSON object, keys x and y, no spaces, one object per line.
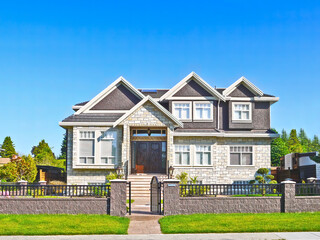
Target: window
{"x":241,"y":155}
{"x":241,"y":111}
{"x":86,"y":147}
{"x":203,"y":111}
{"x":148,"y":132}
{"x":182,"y":110}
{"x":182,"y":154}
{"x":203,"y":155}
{"x":108,"y":147}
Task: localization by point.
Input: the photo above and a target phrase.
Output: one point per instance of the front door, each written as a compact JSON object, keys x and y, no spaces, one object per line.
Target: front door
{"x":149,"y":157}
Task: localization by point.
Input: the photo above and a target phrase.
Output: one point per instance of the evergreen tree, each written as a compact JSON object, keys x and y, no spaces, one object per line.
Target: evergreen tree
{"x":8,"y":148}
{"x":315,"y":144}
{"x":294,"y":144}
{"x":43,"y":153}
{"x":305,"y":141}
{"x":284,"y":135}
{"x":63,"y":153}
{"x":278,"y":149}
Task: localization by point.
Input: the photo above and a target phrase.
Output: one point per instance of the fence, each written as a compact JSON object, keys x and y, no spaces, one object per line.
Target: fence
{"x":36,"y":190}
{"x":196,"y":190}
{"x":307,"y":189}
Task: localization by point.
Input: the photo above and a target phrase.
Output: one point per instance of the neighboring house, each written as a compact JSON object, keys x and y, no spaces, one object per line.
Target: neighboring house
{"x":4,"y":161}
{"x":299,"y":166}
{"x":221,"y":135}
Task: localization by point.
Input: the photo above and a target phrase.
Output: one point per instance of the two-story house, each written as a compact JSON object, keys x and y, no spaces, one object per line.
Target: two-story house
{"x":221,"y":135}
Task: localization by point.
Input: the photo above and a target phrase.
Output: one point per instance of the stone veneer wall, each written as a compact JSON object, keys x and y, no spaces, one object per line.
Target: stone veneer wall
{"x":82,"y":175}
{"x":146,"y":116}
{"x":220,"y":171}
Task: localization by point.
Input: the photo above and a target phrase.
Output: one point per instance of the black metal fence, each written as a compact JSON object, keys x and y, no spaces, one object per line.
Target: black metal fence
{"x":307,"y":189}
{"x":55,"y":190}
{"x":196,"y":190}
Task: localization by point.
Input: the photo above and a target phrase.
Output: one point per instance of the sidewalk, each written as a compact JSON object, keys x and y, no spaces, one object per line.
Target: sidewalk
{"x":213,"y":236}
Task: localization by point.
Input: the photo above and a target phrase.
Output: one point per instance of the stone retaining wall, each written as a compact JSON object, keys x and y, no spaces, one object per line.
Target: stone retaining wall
{"x":174,"y":204}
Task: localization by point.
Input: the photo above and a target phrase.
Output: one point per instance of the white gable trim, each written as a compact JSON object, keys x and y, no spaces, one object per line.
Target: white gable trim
{"x":161,"y":108}
{"x":199,"y":80}
{"x":247,"y":83}
{"x":108,"y":90}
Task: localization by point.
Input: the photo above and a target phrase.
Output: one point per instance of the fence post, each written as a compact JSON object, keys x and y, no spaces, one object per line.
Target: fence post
{"x":288,"y":196}
{"x":23,"y":188}
{"x":171,"y":197}
{"x":118,"y":198}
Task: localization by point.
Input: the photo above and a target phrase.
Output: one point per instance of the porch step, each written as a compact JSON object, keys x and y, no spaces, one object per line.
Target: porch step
{"x":140,"y":185}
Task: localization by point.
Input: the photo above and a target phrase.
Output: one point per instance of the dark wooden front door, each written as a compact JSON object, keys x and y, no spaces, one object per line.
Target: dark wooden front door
{"x":149,"y":157}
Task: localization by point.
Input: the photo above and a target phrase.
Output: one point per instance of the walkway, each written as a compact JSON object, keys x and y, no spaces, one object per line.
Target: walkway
{"x":141,"y":220}
{"x":214,"y":236}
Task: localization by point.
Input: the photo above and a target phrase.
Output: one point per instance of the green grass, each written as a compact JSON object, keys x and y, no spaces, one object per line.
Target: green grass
{"x":62,"y":224}
{"x":257,"y":195}
{"x":241,"y":222}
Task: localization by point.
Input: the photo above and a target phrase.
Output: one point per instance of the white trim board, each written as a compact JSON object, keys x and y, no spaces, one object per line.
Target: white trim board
{"x":254,"y":89}
{"x":106,"y":91}
{"x":79,"y":124}
{"x":155,"y":103}
{"x":236,"y":135}
{"x":199,"y":80}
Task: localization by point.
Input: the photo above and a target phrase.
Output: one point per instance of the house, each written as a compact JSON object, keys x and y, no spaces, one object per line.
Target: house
{"x":4,"y":161}
{"x":221,"y":135}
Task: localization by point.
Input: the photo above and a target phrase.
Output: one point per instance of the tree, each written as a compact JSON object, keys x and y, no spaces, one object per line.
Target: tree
{"x":294,"y":143}
{"x":9,"y":172}
{"x":284,"y":135}
{"x":263,"y":176}
{"x":278,"y":149}
{"x":63,"y":151}
{"x":43,"y":153}
{"x":305,"y":141}
{"x":315,"y":144}
{"x":27,"y":168}
{"x":8,"y":148}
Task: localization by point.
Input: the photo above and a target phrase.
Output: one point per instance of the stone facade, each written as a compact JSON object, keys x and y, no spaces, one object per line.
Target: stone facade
{"x":220,"y":170}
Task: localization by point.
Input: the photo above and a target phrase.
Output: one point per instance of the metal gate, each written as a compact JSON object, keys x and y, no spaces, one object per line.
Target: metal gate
{"x":155,"y":195}
{"x":129,"y":195}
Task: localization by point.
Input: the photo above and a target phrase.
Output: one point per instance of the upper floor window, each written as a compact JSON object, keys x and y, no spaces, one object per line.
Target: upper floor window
{"x":182,"y":154}
{"x":203,"y":154}
{"x":241,"y":155}
{"x":182,"y":110}
{"x":108,"y":147}
{"x":203,"y":111}
{"x":241,"y":111}
{"x":86,"y":145}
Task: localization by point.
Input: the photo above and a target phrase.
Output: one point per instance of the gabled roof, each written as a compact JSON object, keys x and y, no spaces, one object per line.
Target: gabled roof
{"x":247,"y":83}
{"x":199,"y":80}
{"x":106,"y":91}
{"x":156,"y":104}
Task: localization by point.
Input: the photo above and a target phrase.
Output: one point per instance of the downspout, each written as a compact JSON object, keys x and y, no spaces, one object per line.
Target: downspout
{"x":218,"y":115}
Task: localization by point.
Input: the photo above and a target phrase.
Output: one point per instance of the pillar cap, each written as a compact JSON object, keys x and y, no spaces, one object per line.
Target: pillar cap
{"x":22,"y":181}
{"x":171,"y":180}
{"x":118,"y":181}
{"x":286,"y":182}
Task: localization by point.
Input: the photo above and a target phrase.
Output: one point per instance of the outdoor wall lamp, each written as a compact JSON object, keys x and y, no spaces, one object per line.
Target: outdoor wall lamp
{"x":119,"y":170}
{"x":171,"y":169}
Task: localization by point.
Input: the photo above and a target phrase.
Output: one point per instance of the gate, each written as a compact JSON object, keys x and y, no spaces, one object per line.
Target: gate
{"x":155,"y":195}
{"x":129,"y":195}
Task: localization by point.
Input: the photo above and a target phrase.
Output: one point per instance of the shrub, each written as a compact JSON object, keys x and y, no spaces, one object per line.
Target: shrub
{"x":183,"y":177}
{"x":113,"y":175}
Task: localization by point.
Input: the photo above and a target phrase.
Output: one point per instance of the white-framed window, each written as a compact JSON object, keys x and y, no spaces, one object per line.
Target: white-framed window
{"x":241,"y":111}
{"x":241,"y":155}
{"x":203,"y":111}
{"x":108,"y":147}
{"x":182,"y":154}
{"x":182,"y":110}
{"x":87,"y":147}
{"x":203,"y":155}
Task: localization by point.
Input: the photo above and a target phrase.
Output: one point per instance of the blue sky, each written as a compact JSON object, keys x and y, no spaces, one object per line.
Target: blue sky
{"x":54,"y":54}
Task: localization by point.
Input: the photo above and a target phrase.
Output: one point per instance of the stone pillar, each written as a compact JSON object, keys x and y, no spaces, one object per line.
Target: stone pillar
{"x":171,"y":197}
{"x":118,"y":198}
{"x":288,"y":196}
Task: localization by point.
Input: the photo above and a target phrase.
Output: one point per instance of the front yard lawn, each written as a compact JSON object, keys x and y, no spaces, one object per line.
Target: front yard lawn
{"x":62,"y":224}
{"x":241,"y":222}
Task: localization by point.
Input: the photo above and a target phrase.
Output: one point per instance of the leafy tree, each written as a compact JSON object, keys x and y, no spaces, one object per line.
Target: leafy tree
{"x":8,"y":148}
{"x":63,"y":151}
{"x":278,"y":149}
{"x":305,"y":141}
{"x":43,"y":153}
{"x":263,"y":176}
{"x":294,"y":143}
{"x":284,"y":135}
{"x":9,"y":172}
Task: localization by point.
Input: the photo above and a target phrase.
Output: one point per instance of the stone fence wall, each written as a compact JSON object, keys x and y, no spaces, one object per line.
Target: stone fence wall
{"x":114,"y":205}
{"x":174,"y":204}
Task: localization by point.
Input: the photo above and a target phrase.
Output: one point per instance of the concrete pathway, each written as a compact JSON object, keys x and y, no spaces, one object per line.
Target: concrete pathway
{"x":141,"y":219}
{"x":213,"y":236}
